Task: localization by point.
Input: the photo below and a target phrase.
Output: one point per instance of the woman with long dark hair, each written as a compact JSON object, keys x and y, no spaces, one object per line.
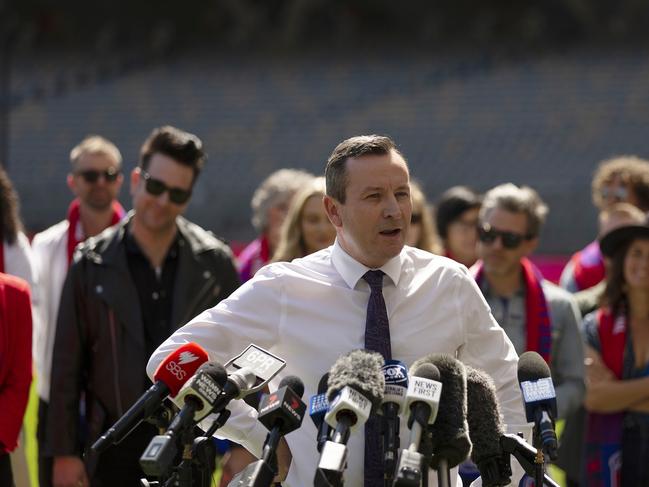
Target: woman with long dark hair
{"x":15,"y":252}
{"x":617,"y":358}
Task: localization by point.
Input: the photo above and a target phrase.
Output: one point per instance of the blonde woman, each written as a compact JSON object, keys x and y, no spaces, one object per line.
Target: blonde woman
{"x":306,"y":228}
{"x":421,"y":233}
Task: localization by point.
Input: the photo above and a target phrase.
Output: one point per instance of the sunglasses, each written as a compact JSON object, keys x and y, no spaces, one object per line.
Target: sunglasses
{"x":156,"y":188}
{"x":619,"y":193}
{"x":510,"y":240}
{"x":91,"y":176}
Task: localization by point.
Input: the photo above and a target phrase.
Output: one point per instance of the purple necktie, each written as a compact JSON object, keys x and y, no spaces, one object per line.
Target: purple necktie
{"x":377,"y":338}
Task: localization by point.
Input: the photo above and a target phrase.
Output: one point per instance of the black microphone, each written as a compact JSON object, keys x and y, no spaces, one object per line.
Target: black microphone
{"x":422,"y":400}
{"x":540,"y":400}
{"x":281,"y":413}
{"x":197,"y":396}
{"x":169,"y":377}
{"x":395,"y":374}
{"x":318,"y":407}
{"x":449,"y":438}
{"x":355,"y":391}
{"x":486,"y":429}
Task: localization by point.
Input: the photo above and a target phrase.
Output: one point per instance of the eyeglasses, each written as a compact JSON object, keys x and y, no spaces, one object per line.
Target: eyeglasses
{"x":618,"y":193}
{"x":510,"y":240}
{"x":415,"y":218}
{"x":91,"y":176}
{"x":156,"y":187}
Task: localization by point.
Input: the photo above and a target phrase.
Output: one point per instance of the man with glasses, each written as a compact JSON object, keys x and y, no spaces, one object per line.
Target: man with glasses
{"x":535,"y":314}
{"x":95,"y":179}
{"x":127,"y":290}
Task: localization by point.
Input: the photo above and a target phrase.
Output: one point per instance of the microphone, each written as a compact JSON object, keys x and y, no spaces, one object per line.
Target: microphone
{"x":249,"y":371}
{"x":355,"y":391}
{"x":281,"y":413}
{"x":197,"y":397}
{"x":540,"y":400}
{"x":395,"y":375}
{"x":238,"y":385}
{"x":422,"y":399}
{"x":318,"y":406}
{"x":168,"y":378}
{"x":450,"y":438}
{"x":486,"y":429}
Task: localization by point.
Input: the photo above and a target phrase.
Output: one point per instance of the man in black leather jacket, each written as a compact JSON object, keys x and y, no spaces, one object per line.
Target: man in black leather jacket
{"x":128,"y":289}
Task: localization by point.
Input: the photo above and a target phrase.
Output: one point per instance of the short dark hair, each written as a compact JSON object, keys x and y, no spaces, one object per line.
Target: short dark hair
{"x":452,"y":204}
{"x":181,"y":146}
{"x":362,"y":145}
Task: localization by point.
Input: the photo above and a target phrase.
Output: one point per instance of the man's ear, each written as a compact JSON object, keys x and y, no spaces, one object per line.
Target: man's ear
{"x":136,"y":174}
{"x":72,"y":184}
{"x":332,"y":207}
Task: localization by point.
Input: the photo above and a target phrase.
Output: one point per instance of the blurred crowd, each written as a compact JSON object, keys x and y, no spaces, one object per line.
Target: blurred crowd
{"x":125,"y":280}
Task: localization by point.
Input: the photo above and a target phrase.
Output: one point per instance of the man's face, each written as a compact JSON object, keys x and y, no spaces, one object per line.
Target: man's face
{"x":617,"y":190}
{"x":373,"y":222}
{"x":96,"y":180}
{"x":157,"y":213}
{"x":499,"y":260}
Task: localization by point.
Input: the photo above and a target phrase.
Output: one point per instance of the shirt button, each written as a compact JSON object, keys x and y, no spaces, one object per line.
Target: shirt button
{"x":99,"y":289}
{"x":207,"y":275}
{"x":155,"y":296}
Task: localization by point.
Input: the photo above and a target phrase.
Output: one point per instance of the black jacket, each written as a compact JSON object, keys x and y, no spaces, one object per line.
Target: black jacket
{"x":99,"y":349}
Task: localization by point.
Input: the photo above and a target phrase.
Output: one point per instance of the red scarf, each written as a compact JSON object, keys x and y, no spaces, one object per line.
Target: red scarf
{"x":75,"y":231}
{"x":588,"y":266}
{"x":2,"y":254}
{"x":537,"y":317}
{"x":604,"y":431}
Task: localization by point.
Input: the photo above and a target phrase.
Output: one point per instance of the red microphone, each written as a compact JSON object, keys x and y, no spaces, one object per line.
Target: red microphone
{"x":169,"y":377}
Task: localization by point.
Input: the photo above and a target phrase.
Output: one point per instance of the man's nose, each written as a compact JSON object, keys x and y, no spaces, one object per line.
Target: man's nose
{"x":392,"y":208}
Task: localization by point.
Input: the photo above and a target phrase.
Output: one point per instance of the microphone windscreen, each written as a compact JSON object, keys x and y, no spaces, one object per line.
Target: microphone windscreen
{"x":216,"y":371}
{"x":531,"y":366}
{"x":450,"y":439}
{"x":427,"y":371}
{"x":179,"y":366}
{"x":323,"y":384}
{"x":294,"y":383}
{"x":360,"y":370}
{"x":485,"y":423}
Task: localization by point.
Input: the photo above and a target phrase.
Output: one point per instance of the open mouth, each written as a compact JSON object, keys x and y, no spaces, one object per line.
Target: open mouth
{"x":390,"y":233}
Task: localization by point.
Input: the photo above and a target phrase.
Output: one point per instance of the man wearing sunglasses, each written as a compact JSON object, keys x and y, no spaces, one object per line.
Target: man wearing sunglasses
{"x":95,"y":179}
{"x":127,"y":290}
{"x":535,"y":314}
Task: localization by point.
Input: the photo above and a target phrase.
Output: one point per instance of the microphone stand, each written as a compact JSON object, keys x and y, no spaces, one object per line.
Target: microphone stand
{"x":426,"y":449}
{"x":529,"y":457}
{"x":443,"y":473}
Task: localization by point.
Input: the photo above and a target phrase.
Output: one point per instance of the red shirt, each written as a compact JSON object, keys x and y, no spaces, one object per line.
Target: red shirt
{"x":15,"y":357}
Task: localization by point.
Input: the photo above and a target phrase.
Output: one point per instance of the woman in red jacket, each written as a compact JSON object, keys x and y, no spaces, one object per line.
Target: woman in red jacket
{"x":15,"y":365}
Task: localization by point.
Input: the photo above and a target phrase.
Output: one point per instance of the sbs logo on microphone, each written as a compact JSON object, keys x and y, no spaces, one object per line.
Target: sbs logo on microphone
{"x":176,"y":370}
{"x":187,"y":358}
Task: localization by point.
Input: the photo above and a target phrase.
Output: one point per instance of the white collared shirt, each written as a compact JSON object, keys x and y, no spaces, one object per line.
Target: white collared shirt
{"x":312,"y":310}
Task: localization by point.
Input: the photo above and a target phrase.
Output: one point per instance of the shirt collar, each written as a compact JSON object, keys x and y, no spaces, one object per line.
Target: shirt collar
{"x":352,"y":271}
{"x":488,"y":293}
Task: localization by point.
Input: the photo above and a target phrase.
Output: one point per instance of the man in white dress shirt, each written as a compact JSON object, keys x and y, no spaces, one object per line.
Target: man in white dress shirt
{"x":312,"y":310}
